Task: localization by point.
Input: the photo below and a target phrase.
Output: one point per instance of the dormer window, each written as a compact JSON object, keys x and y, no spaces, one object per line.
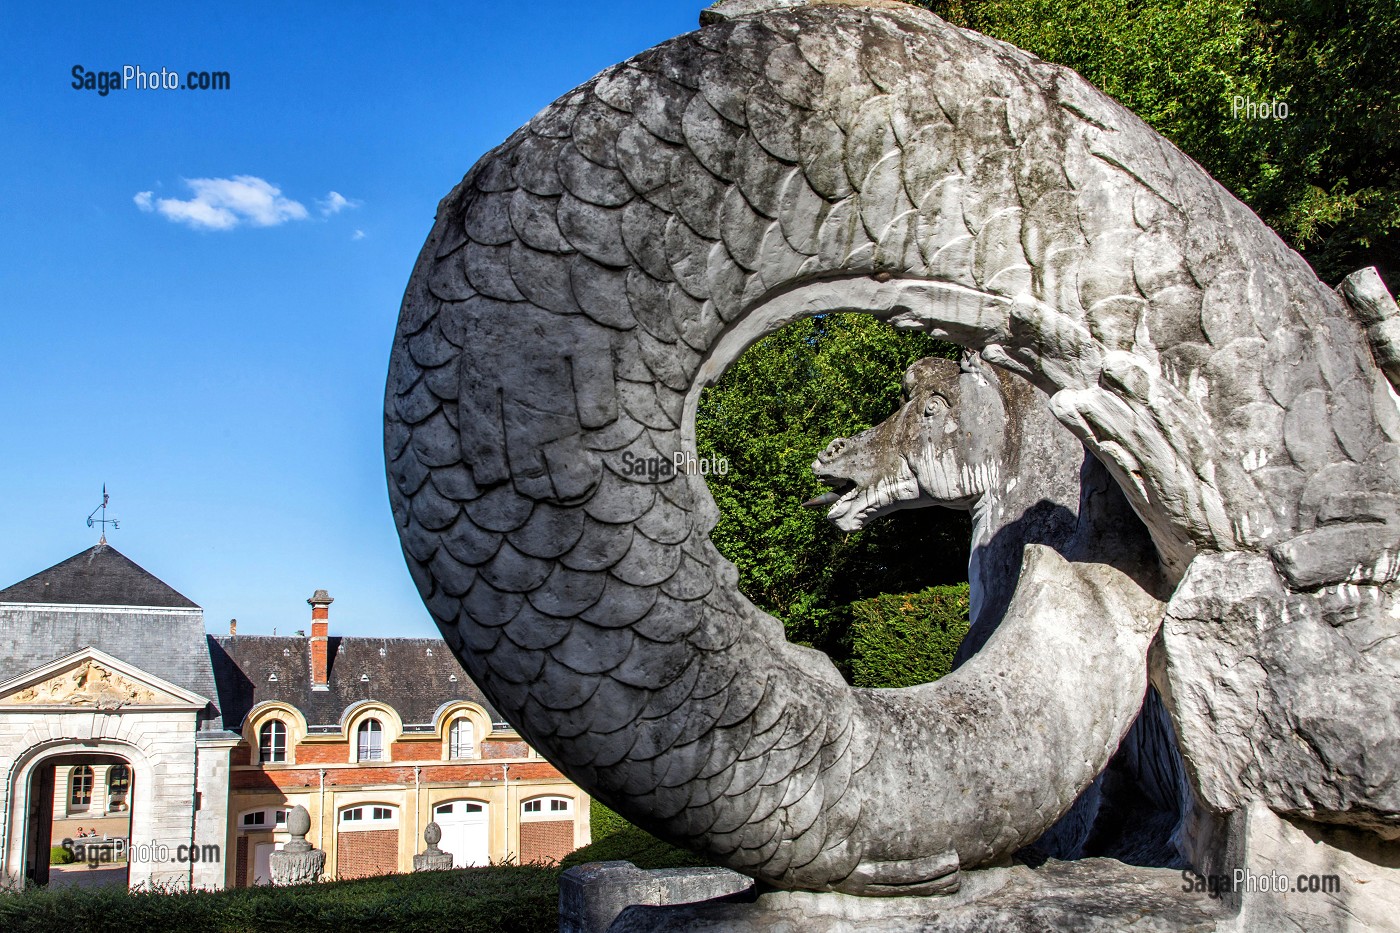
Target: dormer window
{"x":369,"y":741}
{"x":272,"y":742}
{"x":462,"y":740}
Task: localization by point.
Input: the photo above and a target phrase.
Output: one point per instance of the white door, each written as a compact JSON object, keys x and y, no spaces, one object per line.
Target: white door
{"x":465,"y":832}
{"x":262,"y":867}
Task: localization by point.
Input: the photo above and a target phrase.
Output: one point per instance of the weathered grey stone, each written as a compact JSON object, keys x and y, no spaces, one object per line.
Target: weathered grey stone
{"x":297,"y":862}
{"x":591,"y":896}
{"x":432,"y":858}
{"x":970,"y":437}
{"x":1376,"y":309}
{"x":1068,"y":244}
{"x":1090,"y":896}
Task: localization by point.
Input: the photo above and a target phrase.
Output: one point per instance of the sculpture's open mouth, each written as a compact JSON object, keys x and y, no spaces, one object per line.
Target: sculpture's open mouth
{"x":852,"y":504}
{"x":840,"y":489}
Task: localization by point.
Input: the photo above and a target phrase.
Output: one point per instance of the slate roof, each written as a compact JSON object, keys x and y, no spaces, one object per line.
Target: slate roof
{"x":170,"y":645}
{"x":412,"y":675}
{"x":99,"y":576}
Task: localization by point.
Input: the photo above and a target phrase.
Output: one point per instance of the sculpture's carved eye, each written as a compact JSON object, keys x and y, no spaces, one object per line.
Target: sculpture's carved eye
{"x":936,"y":404}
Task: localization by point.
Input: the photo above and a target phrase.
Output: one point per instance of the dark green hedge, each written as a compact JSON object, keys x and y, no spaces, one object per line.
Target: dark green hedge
{"x":614,"y":838}
{"x":498,"y":899}
{"x":909,"y":639}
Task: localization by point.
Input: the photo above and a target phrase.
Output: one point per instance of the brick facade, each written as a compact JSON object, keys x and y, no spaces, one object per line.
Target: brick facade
{"x":240,"y":877}
{"x":546,"y":840}
{"x":367,"y":852}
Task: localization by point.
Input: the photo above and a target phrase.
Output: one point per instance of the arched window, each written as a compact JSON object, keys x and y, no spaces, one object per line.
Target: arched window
{"x":462,"y":742}
{"x":118,"y":788}
{"x":370,"y":741}
{"x":272,"y":741}
{"x":80,"y":788}
{"x":547,"y":808}
{"x":369,"y":816}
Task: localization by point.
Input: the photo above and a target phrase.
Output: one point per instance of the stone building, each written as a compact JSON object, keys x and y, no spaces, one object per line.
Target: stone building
{"x":103,"y":665}
{"x":377,"y":737}
{"x":121,"y":716}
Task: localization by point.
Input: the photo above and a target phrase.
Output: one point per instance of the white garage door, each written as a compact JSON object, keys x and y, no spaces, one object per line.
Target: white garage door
{"x":262,"y":862}
{"x":465,"y":832}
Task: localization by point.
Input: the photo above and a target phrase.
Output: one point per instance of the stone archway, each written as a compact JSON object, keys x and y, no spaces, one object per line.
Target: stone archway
{"x":107,"y":840}
{"x":30,"y":790}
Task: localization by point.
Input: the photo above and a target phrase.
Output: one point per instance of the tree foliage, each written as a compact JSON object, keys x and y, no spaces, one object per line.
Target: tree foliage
{"x":1326,"y":178}
{"x":769,"y":416}
{"x":909,"y":639}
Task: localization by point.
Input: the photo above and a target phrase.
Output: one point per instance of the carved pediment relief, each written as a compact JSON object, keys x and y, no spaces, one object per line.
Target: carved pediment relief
{"x":87,"y":684}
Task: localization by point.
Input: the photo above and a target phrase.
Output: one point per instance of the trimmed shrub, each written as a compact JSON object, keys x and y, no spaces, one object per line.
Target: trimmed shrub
{"x":497,"y":899}
{"x":614,"y":838}
{"x":906,"y":640}
{"x":60,"y":856}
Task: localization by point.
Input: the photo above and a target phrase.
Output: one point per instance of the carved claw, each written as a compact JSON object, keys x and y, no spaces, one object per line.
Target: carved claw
{"x":934,"y":874}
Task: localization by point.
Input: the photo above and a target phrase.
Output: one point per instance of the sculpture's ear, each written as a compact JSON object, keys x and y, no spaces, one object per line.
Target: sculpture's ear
{"x":970,"y":361}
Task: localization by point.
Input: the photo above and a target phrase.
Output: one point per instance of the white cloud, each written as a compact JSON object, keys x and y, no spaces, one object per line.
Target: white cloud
{"x":358,"y":235}
{"x":225,"y":203}
{"x":334,"y":203}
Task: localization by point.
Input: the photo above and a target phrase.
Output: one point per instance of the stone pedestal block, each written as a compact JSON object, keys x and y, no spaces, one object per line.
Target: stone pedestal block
{"x":1089,"y":896}
{"x":591,"y":896}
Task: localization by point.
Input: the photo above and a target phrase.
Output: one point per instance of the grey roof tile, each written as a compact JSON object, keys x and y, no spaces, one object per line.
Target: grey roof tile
{"x":99,"y":576}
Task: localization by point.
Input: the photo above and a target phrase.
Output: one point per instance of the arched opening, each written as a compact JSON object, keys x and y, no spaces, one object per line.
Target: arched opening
{"x":260,"y":833}
{"x":78,"y":825}
{"x":759,"y":428}
{"x":546,"y":829}
{"x":367,"y":840}
{"x":466,"y":831}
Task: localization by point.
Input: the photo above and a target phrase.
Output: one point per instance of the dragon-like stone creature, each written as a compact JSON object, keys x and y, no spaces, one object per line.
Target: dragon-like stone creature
{"x":590,"y":275}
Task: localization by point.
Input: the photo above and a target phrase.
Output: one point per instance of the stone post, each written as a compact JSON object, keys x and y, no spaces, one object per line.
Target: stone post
{"x":298,"y":862}
{"x":433,"y":858}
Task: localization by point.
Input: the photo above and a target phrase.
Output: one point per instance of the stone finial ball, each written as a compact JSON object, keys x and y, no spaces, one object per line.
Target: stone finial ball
{"x":432,"y":834}
{"x":298,"y":821}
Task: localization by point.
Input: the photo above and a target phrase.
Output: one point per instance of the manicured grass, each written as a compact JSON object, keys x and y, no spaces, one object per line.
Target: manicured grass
{"x":498,"y":899}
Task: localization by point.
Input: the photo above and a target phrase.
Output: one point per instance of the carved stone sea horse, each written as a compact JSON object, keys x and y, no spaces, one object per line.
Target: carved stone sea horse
{"x":590,"y":275}
{"x":969,"y":436}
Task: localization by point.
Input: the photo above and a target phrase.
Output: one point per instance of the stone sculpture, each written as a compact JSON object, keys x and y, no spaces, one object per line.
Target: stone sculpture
{"x":432,"y":858}
{"x":593,"y":273}
{"x":297,"y":862}
{"x":971,"y":437}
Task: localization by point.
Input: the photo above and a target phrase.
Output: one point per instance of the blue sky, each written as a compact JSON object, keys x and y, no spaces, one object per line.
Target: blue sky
{"x":187,"y":312}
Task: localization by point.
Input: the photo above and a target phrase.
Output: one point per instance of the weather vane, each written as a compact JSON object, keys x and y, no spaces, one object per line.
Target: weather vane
{"x":104,"y":521}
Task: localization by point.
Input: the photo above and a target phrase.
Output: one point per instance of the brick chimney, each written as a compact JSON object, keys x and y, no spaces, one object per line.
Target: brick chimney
{"x":320,"y":603}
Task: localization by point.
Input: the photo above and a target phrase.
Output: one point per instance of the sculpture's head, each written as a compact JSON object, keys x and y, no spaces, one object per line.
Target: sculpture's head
{"x":943,"y":447}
